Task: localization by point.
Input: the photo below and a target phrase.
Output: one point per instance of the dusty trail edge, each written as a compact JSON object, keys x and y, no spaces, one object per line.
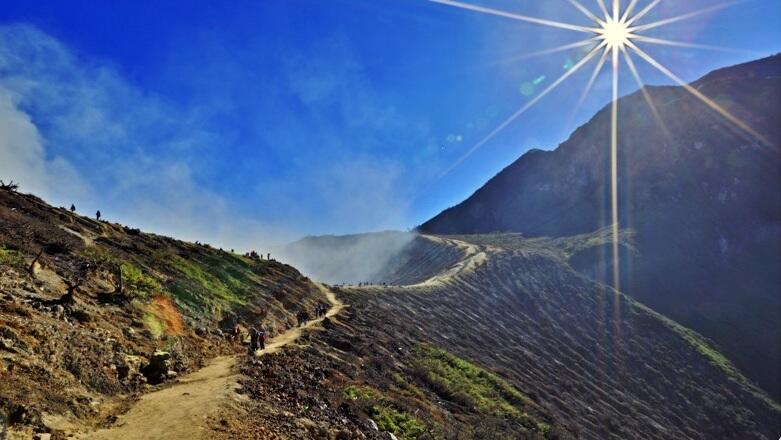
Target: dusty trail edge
{"x":180,"y":412}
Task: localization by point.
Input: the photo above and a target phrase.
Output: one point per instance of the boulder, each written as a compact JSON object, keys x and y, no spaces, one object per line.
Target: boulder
{"x":129,"y":368}
{"x":157,"y":370}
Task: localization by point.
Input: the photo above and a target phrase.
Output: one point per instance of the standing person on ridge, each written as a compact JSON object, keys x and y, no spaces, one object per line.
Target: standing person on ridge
{"x":97,"y":215}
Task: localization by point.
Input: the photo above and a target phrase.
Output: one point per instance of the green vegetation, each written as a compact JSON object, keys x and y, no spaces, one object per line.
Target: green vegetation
{"x":136,"y":283}
{"x":98,"y":255}
{"x":155,"y":325}
{"x":386,"y":413}
{"x":10,"y":257}
{"x":704,"y":348}
{"x":214,"y":285}
{"x":406,"y":388}
{"x":354,"y":392}
{"x":399,"y":423}
{"x":460,"y":381}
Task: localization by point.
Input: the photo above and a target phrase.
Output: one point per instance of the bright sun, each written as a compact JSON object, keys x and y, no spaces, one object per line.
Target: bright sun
{"x":615,"y":33}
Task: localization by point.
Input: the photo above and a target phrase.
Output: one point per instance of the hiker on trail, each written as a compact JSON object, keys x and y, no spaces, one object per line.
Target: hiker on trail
{"x":262,"y":336}
{"x":304,"y":318}
{"x":253,"y":340}
{"x":73,"y":207}
{"x":97,"y":215}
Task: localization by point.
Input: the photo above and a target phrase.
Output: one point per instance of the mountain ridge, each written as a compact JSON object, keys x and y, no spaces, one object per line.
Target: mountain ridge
{"x":703,"y":199}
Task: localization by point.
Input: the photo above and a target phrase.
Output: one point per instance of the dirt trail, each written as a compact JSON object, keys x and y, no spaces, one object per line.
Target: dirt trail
{"x":180,"y":412}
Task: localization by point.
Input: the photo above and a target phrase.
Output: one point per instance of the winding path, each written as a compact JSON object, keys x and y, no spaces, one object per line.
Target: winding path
{"x":181,"y":411}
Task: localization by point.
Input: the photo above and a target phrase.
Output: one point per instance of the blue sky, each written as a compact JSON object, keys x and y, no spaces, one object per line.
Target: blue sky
{"x":254,"y":122}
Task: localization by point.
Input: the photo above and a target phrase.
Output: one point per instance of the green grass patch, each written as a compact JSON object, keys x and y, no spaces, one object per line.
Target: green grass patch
{"x":463,"y":382}
{"x":401,"y":424}
{"x":714,"y":356}
{"x":210,"y":286}
{"x":9,"y":257}
{"x":98,"y":255}
{"x":155,"y":325}
{"x":386,"y":413}
{"x":138,"y":284}
{"x":406,"y":388}
{"x":354,"y":392}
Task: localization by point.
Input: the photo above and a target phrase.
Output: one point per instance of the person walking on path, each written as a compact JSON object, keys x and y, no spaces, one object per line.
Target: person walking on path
{"x":253,"y":340}
{"x":262,"y":336}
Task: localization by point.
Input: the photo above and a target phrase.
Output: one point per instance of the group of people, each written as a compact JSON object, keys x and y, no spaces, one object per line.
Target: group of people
{"x":258,"y":336}
{"x":303,"y":316}
{"x":73,"y":209}
{"x":257,"y":339}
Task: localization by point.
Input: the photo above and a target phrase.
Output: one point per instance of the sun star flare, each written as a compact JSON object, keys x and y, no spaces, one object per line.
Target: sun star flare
{"x":617,"y":33}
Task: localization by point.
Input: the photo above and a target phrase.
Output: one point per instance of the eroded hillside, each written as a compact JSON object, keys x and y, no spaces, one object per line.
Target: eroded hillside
{"x":498,"y":337}
{"x":71,"y":363}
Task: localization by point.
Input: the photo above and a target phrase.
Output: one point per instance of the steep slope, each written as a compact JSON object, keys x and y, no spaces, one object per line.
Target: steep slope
{"x":702,"y":198}
{"x":68,"y":364}
{"x":596,"y":362}
{"x":504,"y":341}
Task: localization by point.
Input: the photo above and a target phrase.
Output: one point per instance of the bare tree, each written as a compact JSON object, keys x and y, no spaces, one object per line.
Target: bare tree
{"x":10,"y":186}
{"x":69,"y":298}
{"x":31,"y":268}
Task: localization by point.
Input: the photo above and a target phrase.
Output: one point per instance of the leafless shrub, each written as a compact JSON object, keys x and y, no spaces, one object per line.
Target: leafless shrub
{"x":10,"y":186}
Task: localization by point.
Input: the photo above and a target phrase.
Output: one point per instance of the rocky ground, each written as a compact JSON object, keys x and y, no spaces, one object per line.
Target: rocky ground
{"x":79,"y":343}
{"x":491,"y":338}
{"x":344,"y":382}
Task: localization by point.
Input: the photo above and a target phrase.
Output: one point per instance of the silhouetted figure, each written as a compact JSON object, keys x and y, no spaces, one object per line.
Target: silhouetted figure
{"x":73,"y":207}
{"x":97,"y":215}
{"x":268,"y":256}
{"x":253,"y":340}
